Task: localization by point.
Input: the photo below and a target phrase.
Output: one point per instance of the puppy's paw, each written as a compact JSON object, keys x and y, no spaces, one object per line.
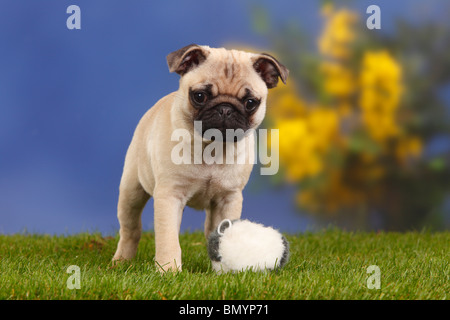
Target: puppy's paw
{"x":173,"y":266}
{"x":117,"y":259}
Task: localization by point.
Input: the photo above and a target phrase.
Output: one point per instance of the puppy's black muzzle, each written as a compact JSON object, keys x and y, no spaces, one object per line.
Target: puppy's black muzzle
{"x":225,"y":110}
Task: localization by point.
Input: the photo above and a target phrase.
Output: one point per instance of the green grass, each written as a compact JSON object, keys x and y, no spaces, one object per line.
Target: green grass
{"x":326,"y":265}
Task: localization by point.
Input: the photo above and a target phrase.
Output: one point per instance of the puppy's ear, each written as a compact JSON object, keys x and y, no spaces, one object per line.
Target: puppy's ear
{"x":270,"y":69}
{"x":185,"y":59}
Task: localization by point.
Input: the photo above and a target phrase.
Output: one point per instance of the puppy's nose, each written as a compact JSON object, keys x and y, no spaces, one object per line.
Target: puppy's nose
{"x":225,"y":110}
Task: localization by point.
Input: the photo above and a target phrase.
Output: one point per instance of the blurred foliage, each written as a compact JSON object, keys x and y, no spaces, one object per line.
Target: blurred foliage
{"x":356,"y":117}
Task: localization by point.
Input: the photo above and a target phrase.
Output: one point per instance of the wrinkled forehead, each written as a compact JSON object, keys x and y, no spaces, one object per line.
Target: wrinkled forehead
{"x":229,"y":72}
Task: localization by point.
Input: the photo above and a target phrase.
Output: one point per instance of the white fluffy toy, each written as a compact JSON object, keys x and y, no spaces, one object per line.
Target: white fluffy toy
{"x":241,"y":245}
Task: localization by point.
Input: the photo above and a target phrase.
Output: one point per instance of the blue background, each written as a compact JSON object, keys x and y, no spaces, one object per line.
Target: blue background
{"x":70,"y":101}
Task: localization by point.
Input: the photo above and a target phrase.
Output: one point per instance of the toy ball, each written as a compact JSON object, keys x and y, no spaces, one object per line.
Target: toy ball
{"x":240,"y":245}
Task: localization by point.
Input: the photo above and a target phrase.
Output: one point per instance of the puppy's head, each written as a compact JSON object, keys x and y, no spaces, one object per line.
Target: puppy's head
{"x":224,"y":89}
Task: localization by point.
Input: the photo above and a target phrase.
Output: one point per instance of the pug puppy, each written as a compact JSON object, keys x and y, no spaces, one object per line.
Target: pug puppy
{"x":220,"y":89}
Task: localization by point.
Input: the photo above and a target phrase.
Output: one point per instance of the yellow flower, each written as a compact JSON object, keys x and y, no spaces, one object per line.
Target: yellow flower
{"x":381,"y":66}
{"x":381,"y":88}
{"x":285,"y":103}
{"x":338,"y":80}
{"x":304,"y":141}
{"x":297,"y":149}
{"x":338,"y":34}
{"x":323,"y":125}
{"x":380,"y":125}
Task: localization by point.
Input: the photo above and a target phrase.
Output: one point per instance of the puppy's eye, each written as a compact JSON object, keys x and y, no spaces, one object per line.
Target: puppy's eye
{"x":199,"y":97}
{"x":251,"y":104}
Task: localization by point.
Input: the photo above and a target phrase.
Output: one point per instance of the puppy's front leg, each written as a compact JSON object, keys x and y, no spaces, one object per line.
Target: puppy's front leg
{"x":167,"y":217}
{"x":228,"y":206}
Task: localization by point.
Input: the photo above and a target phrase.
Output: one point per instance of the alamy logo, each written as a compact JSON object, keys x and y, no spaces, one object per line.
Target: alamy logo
{"x":73,"y":282}
{"x":222,"y":150}
{"x":374,"y":281}
{"x":374,"y":21}
{"x":74,"y":20}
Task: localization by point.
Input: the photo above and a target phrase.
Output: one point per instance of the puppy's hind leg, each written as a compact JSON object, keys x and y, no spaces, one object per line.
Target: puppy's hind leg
{"x":132,"y":199}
